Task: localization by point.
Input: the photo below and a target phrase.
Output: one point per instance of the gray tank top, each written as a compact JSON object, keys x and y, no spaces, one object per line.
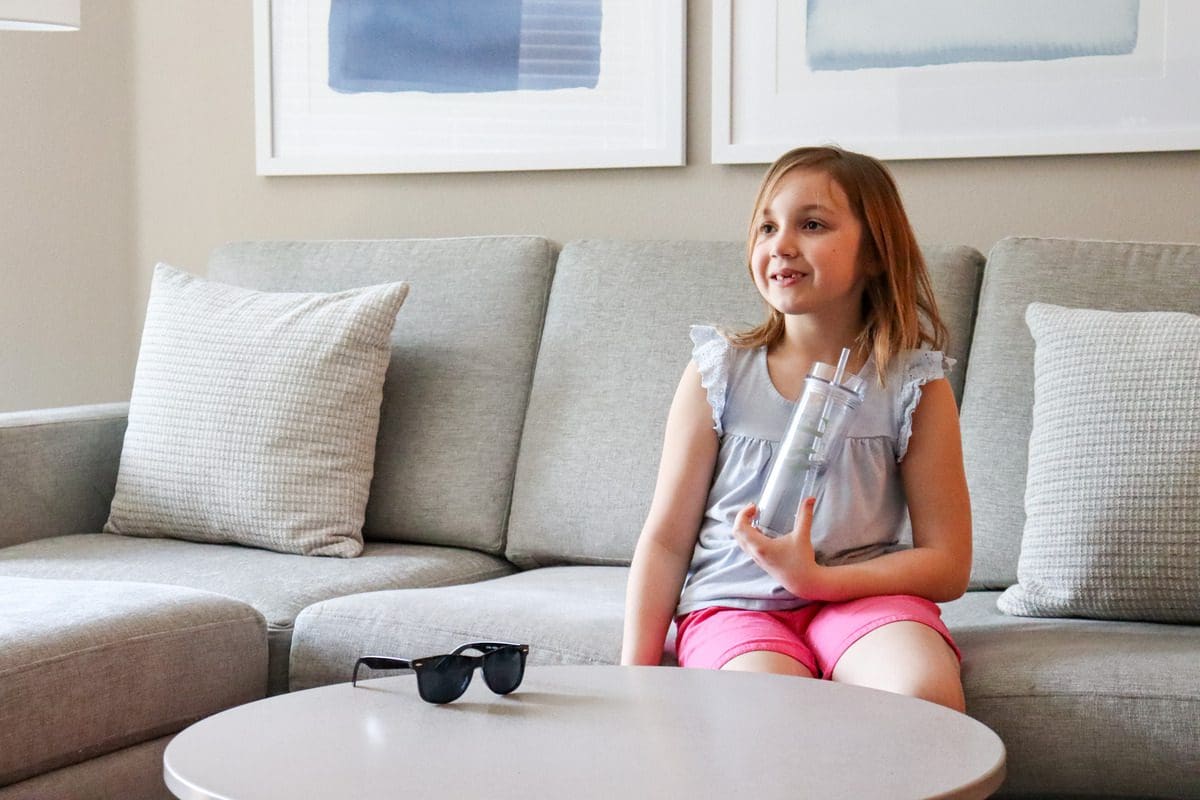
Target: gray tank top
{"x":861,"y":511}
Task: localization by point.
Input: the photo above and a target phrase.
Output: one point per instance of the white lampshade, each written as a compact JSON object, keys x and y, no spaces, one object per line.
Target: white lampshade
{"x":39,"y":15}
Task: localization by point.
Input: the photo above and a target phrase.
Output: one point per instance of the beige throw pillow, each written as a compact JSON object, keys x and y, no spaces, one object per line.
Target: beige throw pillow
{"x":254,"y":415}
{"x":1112,"y":499}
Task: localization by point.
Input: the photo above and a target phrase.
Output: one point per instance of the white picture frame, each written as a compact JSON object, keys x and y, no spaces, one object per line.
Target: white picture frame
{"x":632,"y":117}
{"x":767,"y":99}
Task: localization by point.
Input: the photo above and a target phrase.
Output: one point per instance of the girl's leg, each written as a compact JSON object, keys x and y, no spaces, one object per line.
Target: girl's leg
{"x":905,"y":657}
{"x":767,"y":661}
{"x":738,"y":639}
{"x":897,"y":643}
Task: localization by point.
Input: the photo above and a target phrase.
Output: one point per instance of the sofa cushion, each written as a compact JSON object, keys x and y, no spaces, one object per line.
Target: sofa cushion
{"x":615,"y":343}
{"x":1112,"y":502}
{"x":254,"y":415}
{"x":91,"y":667}
{"x":997,"y":401}
{"x":1084,"y":707}
{"x":462,"y":359}
{"x":567,"y":615}
{"x":278,"y":585}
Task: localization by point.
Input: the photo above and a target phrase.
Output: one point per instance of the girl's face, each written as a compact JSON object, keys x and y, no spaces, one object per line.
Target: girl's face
{"x":805,"y":255}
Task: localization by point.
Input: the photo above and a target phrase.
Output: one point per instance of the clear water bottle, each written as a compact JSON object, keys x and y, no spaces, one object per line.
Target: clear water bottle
{"x":813,"y":439}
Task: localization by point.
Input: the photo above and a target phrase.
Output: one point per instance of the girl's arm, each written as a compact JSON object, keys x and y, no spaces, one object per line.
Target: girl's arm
{"x":939,"y":564}
{"x":664,"y":549}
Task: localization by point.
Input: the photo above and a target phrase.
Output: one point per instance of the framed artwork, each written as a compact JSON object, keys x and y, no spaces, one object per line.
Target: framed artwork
{"x":954,"y":78}
{"x":363,"y":86}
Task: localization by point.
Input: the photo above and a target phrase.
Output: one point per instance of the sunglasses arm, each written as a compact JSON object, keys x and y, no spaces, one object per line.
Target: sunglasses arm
{"x":379,"y":662}
{"x":486,"y":647}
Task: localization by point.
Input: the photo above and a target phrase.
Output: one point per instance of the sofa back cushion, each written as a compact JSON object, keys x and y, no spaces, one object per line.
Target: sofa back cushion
{"x":997,"y":405}
{"x":458,"y":380}
{"x":615,"y":343}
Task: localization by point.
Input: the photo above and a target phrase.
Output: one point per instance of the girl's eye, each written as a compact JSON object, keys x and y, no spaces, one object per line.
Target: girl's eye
{"x":812,"y":225}
{"x":766,"y":227}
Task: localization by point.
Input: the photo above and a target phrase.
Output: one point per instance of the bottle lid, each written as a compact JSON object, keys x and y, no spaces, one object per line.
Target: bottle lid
{"x":850,"y":382}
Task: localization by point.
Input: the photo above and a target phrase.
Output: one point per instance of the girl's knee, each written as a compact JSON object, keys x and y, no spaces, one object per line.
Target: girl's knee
{"x":941,"y":686}
{"x":906,"y":658}
{"x":945,"y":690}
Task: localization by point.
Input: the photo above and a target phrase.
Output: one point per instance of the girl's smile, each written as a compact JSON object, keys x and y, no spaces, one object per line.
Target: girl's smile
{"x":787,"y":277}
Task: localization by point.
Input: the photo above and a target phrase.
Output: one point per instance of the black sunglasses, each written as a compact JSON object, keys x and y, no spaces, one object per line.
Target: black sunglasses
{"x":441,"y":679}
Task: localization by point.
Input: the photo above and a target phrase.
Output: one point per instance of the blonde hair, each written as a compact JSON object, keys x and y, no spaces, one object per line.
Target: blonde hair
{"x":899,"y":308}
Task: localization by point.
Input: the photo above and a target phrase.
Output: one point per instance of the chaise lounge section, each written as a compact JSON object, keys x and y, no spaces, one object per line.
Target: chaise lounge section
{"x":96,"y":676}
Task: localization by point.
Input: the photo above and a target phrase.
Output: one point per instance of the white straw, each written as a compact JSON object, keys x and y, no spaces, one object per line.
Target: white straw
{"x":841,"y":367}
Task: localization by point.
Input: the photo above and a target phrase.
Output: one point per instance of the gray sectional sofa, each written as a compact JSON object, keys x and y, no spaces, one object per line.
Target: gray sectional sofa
{"x":521,"y":425}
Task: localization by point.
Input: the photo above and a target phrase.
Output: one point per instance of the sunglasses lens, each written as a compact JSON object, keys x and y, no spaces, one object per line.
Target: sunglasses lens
{"x":445,"y":679}
{"x":503,"y":669}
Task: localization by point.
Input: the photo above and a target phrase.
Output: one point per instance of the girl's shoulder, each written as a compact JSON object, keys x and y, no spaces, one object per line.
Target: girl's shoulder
{"x":919,"y":366}
{"x":710,"y":352}
{"x":720,"y":363}
{"x":911,"y":370}
{"x":716,"y":342}
{"x":708,"y":343}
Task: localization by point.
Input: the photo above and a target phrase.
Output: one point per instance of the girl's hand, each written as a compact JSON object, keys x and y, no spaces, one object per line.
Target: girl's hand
{"x":789,"y":559}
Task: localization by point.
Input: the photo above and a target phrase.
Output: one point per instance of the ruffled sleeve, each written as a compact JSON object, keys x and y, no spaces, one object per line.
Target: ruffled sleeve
{"x":710,"y":351}
{"x":923,"y":366}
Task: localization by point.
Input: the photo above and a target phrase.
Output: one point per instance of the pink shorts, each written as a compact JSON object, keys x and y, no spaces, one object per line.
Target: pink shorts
{"x":816,"y":635}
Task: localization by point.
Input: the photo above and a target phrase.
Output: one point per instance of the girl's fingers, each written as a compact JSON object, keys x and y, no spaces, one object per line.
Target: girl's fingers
{"x":743,"y":523}
{"x":804,"y":517}
{"x":743,"y":527}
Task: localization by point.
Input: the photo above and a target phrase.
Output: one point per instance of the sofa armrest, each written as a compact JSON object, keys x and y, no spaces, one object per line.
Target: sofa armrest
{"x":59,"y":470}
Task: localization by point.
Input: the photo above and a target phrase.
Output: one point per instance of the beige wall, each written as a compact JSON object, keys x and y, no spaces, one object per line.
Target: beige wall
{"x":194,"y":70}
{"x":195,"y":187}
{"x":66,"y":213}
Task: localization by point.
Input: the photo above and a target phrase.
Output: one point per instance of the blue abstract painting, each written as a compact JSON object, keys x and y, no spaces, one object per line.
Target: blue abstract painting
{"x":446,"y":46}
{"x":884,"y":34}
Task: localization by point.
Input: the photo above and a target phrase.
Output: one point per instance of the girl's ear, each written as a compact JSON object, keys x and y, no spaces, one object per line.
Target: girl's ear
{"x":870,"y":263}
{"x":868,"y":254}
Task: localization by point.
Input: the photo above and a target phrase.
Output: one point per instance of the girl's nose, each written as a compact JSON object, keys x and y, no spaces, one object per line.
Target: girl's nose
{"x":785,"y":246}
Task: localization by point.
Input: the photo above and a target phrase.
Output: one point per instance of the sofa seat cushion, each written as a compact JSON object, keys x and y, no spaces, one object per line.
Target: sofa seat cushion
{"x":567,"y":615}
{"x":1083,"y":706}
{"x":92,"y":667}
{"x":278,"y":585}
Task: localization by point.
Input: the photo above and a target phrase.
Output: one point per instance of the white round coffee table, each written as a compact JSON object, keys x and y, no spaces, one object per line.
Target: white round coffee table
{"x":588,"y":731}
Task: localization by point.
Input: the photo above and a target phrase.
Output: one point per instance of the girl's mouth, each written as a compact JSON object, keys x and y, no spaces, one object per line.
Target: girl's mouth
{"x":786,"y":277}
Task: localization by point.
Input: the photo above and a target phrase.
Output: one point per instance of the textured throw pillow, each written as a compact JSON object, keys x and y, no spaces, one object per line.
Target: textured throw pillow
{"x":1112,"y":497}
{"x":254,"y":414}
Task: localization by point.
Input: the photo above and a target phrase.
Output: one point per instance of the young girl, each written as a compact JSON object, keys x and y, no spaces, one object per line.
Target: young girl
{"x":844,"y":596}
